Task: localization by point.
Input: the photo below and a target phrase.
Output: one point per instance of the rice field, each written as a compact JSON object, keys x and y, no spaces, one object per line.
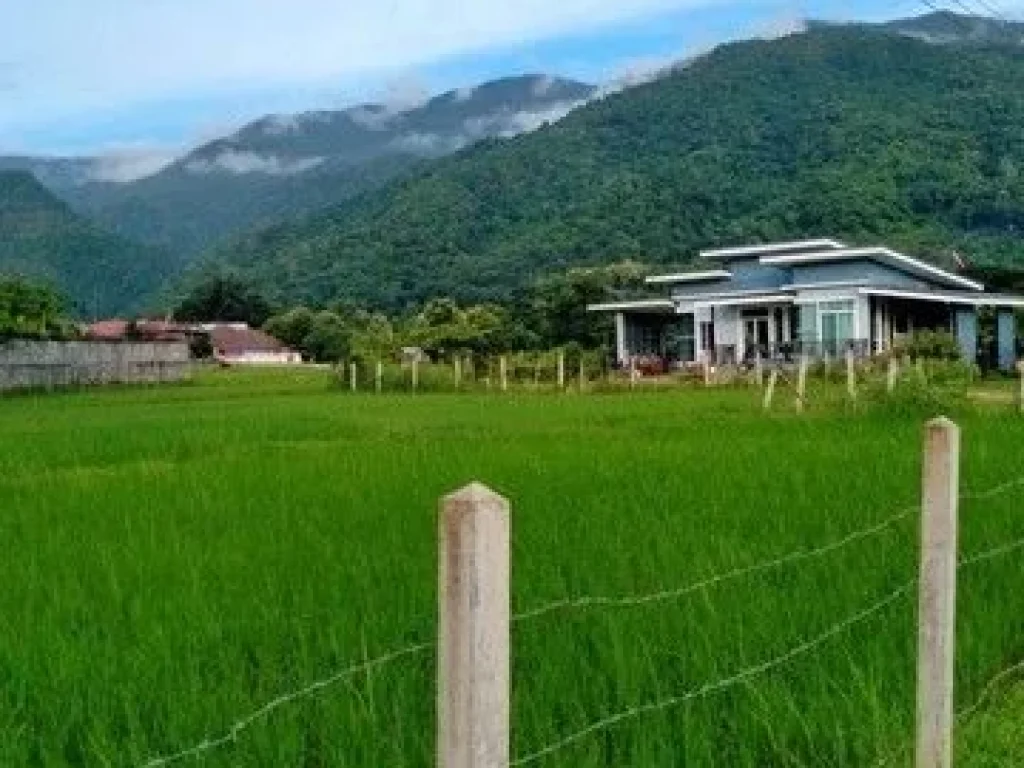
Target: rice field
{"x":177,"y":558}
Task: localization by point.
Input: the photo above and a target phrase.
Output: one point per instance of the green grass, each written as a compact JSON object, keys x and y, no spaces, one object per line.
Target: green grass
{"x":176,"y":557}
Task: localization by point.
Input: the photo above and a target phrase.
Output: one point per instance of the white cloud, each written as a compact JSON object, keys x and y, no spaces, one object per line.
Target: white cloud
{"x":130,"y":163}
{"x":234,"y":161}
{"x":104,"y":55}
{"x":465,"y":93}
{"x":429,"y":143}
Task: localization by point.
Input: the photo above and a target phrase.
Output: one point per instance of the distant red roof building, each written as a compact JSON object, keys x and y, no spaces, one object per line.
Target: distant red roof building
{"x":108,"y":330}
{"x":138,"y":330}
{"x":237,"y":343}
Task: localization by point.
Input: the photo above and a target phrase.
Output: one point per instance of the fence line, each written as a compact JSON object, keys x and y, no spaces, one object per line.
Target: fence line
{"x":759,"y":669}
{"x":708,"y":688}
{"x":747,"y":570}
{"x":232,"y":733}
{"x":670,"y":594}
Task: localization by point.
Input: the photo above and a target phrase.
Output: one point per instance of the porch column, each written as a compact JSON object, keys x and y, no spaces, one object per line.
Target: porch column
{"x":621,"y":351}
{"x":1006,"y":339}
{"x":965,"y":321}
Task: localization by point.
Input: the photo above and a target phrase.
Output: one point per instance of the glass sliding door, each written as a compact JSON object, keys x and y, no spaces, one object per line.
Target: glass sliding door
{"x":836,"y":325}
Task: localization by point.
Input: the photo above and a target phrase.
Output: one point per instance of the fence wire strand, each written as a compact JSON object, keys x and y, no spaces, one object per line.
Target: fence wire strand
{"x":231,"y":734}
{"x":775,"y":662}
{"x":719,"y":685}
{"x":592,"y":601}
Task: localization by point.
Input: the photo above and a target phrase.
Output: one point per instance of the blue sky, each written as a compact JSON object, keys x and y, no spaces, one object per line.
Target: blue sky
{"x":153,"y":76}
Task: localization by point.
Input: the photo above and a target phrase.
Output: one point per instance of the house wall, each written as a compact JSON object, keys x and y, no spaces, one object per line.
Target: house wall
{"x":26,"y":364}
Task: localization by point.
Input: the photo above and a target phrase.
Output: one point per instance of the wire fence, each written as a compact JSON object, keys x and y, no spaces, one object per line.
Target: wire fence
{"x":232,"y":733}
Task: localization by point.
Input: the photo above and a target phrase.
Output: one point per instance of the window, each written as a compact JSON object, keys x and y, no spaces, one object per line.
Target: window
{"x":836,"y":324}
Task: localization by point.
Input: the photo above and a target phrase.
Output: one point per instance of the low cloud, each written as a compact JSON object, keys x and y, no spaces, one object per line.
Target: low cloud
{"x":239,"y":163}
{"x":542,"y":86}
{"x":429,"y":144}
{"x":465,"y":93}
{"x":125,"y":164}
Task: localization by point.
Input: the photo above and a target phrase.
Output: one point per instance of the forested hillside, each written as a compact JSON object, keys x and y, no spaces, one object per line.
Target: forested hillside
{"x":41,"y":237}
{"x":282,"y":166}
{"x":845,"y":131}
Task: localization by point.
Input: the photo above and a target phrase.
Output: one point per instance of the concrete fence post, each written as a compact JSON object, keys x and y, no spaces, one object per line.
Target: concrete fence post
{"x":379,"y":377}
{"x":503,"y":373}
{"x":769,"y":391}
{"x":851,"y":375}
{"x":801,"y":385}
{"x":937,"y":599}
{"x":473,"y":653}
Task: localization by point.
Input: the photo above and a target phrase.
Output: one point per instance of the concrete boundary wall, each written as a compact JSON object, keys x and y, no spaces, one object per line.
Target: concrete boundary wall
{"x":28,"y":364}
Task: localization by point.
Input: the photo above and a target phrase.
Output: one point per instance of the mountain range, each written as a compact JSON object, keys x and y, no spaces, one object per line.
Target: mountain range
{"x":281,"y":166}
{"x":909,"y":132}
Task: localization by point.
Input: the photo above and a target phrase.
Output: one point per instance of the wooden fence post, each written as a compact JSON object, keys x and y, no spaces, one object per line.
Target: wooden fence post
{"x":759,"y":370}
{"x":561,"y":371}
{"x":937,"y":600}
{"x":379,"y":377}
{"x":473,"y":631}
{"x":457,"y":371}
{"x":851,"y":375}
{"x":583,"y":376}
{"x":707,"y":371}
{"x":632,"y":373}
{"x":769,"y":391}
{"x":415,"y":374}
{"x":894,"y":370}
{"x":503,"y":371}
{"x":353,"y":376}
{"x":801,"y":385}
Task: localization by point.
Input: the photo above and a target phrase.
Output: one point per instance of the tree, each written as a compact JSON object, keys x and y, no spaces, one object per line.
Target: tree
{"x":329,"y":340}
{"x":30,"y":309}
{"x":224,"y":297}
{"x":558,"y":303}
{"x":291,"y":327}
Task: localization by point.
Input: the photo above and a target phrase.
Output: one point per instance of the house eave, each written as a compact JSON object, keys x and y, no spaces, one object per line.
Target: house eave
{"x":690,"y":277}
{"x":642,"y":305}
{"x":1000,"y":300}
{"x":886,"y":256}
{"x":769,"y":248}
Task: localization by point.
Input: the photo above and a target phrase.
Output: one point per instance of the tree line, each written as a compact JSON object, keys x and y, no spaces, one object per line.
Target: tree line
{"x":552,"y":312}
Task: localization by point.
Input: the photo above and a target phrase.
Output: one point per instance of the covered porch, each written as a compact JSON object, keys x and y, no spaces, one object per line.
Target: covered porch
{"x":896,"y":315}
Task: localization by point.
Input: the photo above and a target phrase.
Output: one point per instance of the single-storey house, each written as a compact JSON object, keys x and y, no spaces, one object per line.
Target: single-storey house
{"x":814,"y":297}
{"x":238,"y":344}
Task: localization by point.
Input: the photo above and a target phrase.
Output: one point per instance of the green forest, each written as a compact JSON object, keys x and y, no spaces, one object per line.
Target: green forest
{"x":842,"y":131}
